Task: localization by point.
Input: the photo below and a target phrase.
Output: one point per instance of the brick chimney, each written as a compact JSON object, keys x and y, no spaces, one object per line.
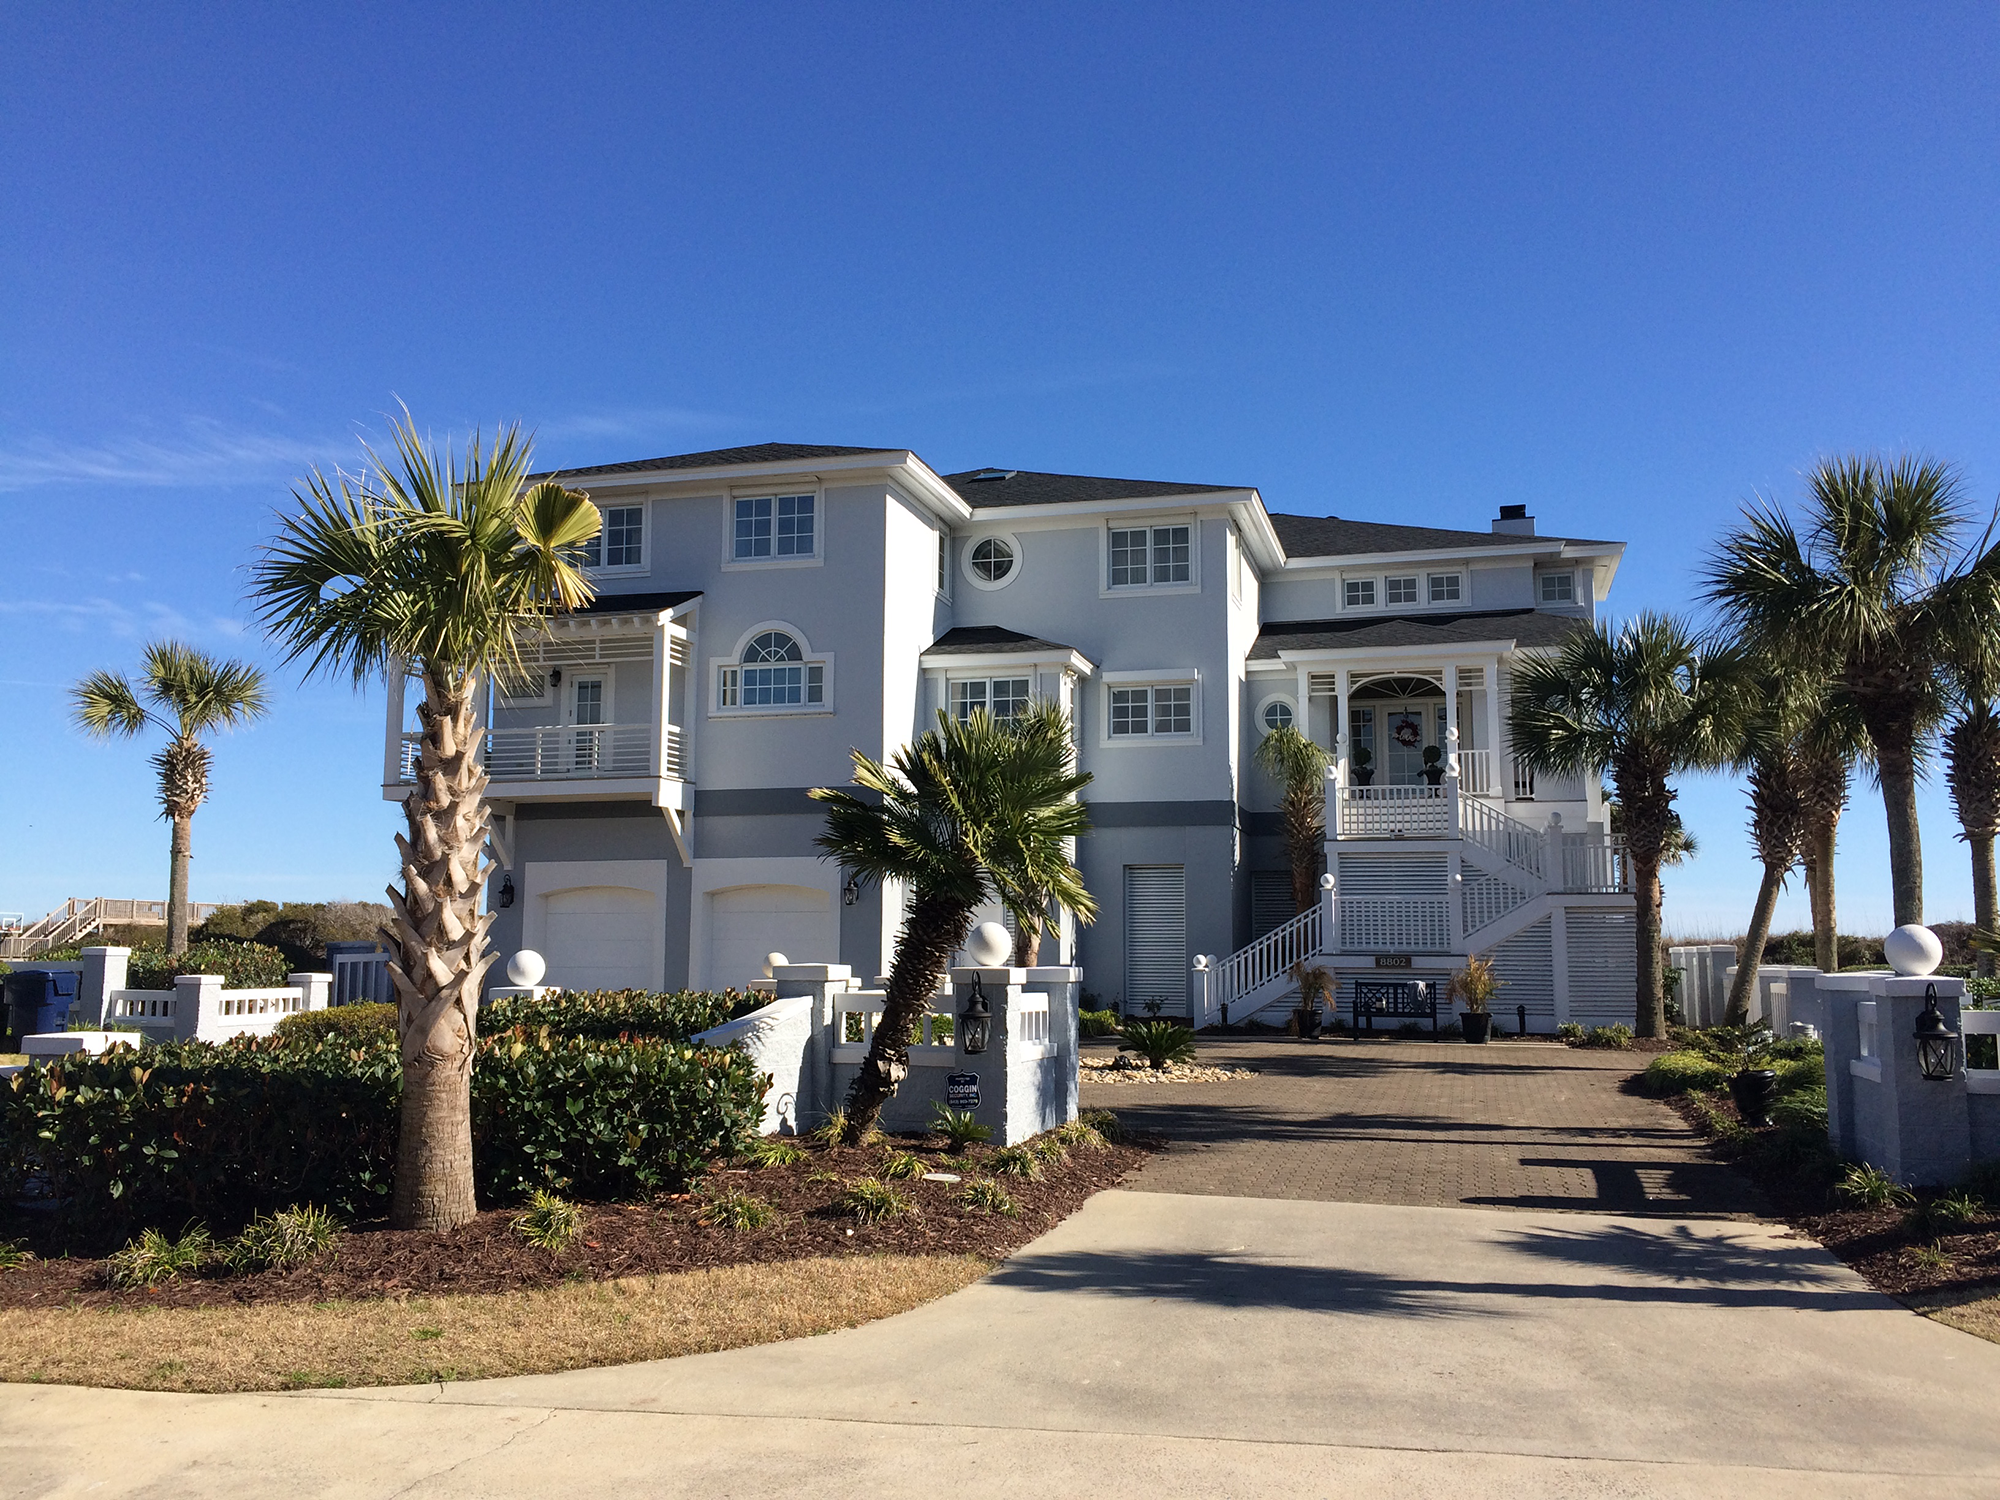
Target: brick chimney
{"x":1514,"y":521}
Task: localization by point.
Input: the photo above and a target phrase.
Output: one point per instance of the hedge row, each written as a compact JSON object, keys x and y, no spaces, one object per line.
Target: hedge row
{"x":605,"y":1014}
{"x":193,"y":1131}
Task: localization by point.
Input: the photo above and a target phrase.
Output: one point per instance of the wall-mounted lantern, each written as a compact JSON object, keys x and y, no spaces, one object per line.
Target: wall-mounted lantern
{"x":1937,"y":1043}
{"x":975,"y":1022}
{"x":506,"y":898}
{"x":555,"y":676}
{"x":850,"y":890}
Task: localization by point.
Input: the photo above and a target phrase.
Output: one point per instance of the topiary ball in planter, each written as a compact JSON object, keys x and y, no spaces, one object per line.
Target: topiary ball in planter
{"x":1755,"y":1090}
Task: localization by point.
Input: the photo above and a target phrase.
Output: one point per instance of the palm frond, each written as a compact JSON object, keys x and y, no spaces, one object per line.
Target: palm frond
{"x":104,"y":705}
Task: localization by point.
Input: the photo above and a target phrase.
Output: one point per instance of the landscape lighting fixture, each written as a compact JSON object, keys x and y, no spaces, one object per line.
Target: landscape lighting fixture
{"x":1937,"y":1043}
{"x":975,"y":1021}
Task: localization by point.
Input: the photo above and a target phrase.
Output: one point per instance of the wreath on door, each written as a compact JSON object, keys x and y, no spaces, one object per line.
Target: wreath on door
{"x":1409,"y":731}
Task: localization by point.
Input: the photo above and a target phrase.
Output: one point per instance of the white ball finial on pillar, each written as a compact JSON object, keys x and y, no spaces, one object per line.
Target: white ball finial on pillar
{"x":773,"y":962}
{"x":989,"y":946}
{"x":526,"y":968}
{"x":1913,"y":951}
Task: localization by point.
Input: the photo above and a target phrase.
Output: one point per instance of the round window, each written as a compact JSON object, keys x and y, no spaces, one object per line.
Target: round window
{"x":1278,"y":714}
{"x":992,"y":560}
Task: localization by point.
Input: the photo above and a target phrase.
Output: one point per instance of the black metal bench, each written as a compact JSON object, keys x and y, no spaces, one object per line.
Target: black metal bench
{"x":1399,"y":999}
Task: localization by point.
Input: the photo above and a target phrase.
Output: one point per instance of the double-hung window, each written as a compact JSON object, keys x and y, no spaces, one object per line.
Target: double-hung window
{"x":1164,"y":710}
{"x":1399,"y":591}
{"x":1444,"y":588}
{"x":1002,"y":697}
{"x":772,"y":673}
{"x":620,"y":541}
{"x":1559,"y":588}
{"x":775,"y":527}
{"x":1360,"y":593}
{"x":1144,"y":556}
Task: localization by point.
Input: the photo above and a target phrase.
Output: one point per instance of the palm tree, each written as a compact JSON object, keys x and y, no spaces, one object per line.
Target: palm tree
{"x":193,"y":694}
{"x":1874,"y":597}
{"x":442,"y":569}
{"x":965,"y":808}
{"x":1775,"y":726}
{"x":1646,"y":704}
{"x":1029,"y":893}
{"x":1299,"y":767}
{"x":1834,"y":741}
{"x":1972,"y":771}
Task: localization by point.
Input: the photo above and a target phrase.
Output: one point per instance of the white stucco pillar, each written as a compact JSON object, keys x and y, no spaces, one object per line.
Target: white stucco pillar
{"x":1502,"y":778}
{"x":1450,"y":746}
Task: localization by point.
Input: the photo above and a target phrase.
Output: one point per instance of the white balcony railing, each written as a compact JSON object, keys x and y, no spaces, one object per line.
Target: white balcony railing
{"x":1475,"y":773}
{"x":568,"y":752}
{"x":1391,"y":812}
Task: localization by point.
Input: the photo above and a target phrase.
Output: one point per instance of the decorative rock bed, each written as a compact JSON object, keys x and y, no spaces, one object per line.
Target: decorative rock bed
{"x":1125,"y":1069}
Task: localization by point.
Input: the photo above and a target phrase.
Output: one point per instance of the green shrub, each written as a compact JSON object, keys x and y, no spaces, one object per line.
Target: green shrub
{"x":1161,"y":1043}
{"x":1943,"y":1215}
{"x":1569,"y":1032}
{"x":1050,"y":1147}
{"x":1097,"y":1022}
{"x":1870,"y":1187}
{"x":351,"y":1023}
{"x":1796,"y":1074}
{"x":735,"y":1209}
{"x":605,"y":1015}
{"x":986,"y":1195}
{"x":291,"y":1237}
{"x":1015,"y":1161}
{"x":774,"y":1151}
{"x":1080,"y":1135}
{"x":871,"y":1201}
{"x":550,"y":1222}
{"x":153,"y":1258}
{"x":1802,"y":1109}
{"x":961,"y":1127}
{"x":1104,"y":1122}
{"x":1606,"y":1038}
{"x":243,"y":966}
{"x":1683,"y":1072}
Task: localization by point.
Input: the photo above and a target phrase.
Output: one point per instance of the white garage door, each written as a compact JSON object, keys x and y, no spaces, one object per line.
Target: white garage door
{"x":601,"y":937}
{"x":746,"y":922}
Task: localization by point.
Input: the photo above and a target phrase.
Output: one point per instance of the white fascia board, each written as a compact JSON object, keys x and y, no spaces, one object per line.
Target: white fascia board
{"x":1607,"y":556}
{"x":1217,"y":500}
{"x":1457,"y":652}
{"x":1160,"y":674}
{"x":615,"y":622}
{"x":1348,"y":562}
{"x":897,"y":465}
{"x":993,"y":661}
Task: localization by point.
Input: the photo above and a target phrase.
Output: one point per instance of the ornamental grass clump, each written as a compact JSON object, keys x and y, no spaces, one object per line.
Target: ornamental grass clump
{"x":1015,"y":1161}
{"x":872,"y":1202}
{"x":1476,"y":984}
{"x":961,"y":1127}
{"x":13,"y":1256}
{"x":1161,"y":1043}
{"x":280,"y":1241}
{"x":550,"y":1223}
{"x":1097,"y":1023}
{"x":1050,"y":1148}
{"x":769,"y":1151}
{"x":1080,"y":1135}
{"x":1864,"y":1186}
{"x":900,"y":1166}
{"x":1105,"y":1122}
{"x":987,"y":1196}
{"x":735,"y":1209}
{"x":153,"y":1258}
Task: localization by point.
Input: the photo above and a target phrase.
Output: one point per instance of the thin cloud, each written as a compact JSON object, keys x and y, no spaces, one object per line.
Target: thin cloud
{"x":632,"y":423}
{"x":202,"y":453}
{"x":118,"y":618}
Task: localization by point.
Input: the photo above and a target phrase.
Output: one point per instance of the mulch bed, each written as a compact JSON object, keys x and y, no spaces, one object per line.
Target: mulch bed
{"x":637,"y":1239}
{"x":1880,"y":1243}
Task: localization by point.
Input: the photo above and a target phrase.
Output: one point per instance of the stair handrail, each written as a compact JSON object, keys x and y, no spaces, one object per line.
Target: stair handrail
{"x":1509,"y":839}
{"x":1260,"y":961}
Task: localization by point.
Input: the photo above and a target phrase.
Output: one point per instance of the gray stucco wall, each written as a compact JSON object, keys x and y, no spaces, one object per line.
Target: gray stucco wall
{"x":1207,"y":853}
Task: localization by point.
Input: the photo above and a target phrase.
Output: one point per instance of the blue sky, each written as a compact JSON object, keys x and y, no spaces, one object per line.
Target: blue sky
{"x":1627,"y":264}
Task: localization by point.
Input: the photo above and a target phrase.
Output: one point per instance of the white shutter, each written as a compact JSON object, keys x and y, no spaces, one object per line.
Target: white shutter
{"x":1156,"y":956}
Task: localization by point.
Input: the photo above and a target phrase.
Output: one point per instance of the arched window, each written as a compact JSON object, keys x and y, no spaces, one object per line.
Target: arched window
{"x":772,"y":673}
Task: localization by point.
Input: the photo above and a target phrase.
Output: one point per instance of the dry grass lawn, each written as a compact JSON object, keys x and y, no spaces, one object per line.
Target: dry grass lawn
{"x":1975,"y":1312}
{"x":289,"y":1346}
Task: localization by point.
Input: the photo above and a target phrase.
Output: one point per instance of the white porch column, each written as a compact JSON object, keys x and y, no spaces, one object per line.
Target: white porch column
{"x":1501,"y":788}
{"x":1451,"y":723}
{"x":1340,"y":780}
{"x":1304,"y":692}
{"x":662,"y":678}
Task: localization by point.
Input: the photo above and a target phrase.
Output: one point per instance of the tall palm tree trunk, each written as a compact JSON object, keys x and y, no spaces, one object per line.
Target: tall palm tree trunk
{"x":1972,"y":763}
{"x":1820,"y":887}
{"x":934,"y":930}
{"x":439,"y":960}
{"x":1305,"y":840}
{"x":1896,"y":768}
{"x":1651,"y":1017}
{"x":1737,"y":1013}
{"x":180,"y":855}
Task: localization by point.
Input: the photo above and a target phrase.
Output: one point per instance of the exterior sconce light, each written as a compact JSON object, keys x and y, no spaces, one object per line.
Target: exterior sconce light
{"x":506,"y":892}
{"x":1937,"y":1043}
{"x":555,"y":676}
{"x":850,"y":890}
{"x":975,"y":1022}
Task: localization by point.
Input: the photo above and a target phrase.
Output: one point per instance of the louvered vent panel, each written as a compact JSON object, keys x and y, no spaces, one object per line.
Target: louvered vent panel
{"x":1393,"y":903}
{"x":1526,"y":966}
{"x":1603,"y":966}
{"x":1156,"y":952}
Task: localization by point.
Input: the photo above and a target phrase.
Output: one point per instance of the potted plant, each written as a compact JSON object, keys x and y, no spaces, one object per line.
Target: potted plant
{"x":1433,"y":765}
{"x":1753,"y":1087}
{"x":1315,"y":991}
{"x":1476,"y":984}
{"x":1363,"y":761}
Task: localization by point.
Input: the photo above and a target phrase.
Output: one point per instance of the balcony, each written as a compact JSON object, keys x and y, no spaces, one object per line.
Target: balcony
{"x":1552,"y":858}
{"x":575,"y":760}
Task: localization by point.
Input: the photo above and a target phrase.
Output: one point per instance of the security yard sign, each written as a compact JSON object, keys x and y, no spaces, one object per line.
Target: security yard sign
{"x":961,"y":1090}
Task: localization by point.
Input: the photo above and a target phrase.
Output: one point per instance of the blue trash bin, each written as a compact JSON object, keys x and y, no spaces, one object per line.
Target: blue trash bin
{"x":40,"y":1000}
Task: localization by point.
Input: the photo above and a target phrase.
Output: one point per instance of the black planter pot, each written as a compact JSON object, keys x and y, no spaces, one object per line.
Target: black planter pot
{"x":1364,"y":775}
{"x":1434,"y":775}
{"x":1755,"y":1090}
{"x":1477,"y":1025}
{"x":1308,"y":1023}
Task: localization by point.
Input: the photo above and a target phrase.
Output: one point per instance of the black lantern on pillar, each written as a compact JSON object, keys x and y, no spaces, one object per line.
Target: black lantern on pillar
{"x":975,"y":1022}
{"x":1937,"y":1043}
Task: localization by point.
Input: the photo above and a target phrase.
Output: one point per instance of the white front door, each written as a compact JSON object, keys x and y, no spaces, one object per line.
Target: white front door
{"x":1404,"y":730}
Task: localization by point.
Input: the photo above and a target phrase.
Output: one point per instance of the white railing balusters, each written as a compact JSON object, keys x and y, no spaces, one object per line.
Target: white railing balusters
{"x":1270,"y":956}
{"x":566,"y":752}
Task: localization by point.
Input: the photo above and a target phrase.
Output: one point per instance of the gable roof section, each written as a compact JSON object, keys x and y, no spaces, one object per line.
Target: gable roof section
{"x":718,"y":458}
{"x":1330,"y":536}
{"x":1024,"y":487}
{"x":987,"y":640}
{"x":1524,"y":627}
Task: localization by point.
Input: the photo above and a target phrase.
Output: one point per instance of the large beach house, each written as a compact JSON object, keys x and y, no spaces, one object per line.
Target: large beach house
{"x":764,"y":611}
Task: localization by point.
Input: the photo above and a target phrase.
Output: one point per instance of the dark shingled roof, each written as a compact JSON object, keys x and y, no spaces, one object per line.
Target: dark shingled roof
{"x":1021,"y":487}
{"x":969,"y":640}
{"x":716,"y":458}
{"x":1526,"y":627}
{"x":1330,"y":536}
{"x":637,"y":604}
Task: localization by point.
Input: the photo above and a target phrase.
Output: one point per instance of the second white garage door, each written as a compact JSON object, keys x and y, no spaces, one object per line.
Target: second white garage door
{"x":745,"y":922}
{"x":601,"y":937}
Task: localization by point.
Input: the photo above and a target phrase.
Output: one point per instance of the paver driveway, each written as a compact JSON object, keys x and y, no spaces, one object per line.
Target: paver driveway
{"x":1520,"y":1125}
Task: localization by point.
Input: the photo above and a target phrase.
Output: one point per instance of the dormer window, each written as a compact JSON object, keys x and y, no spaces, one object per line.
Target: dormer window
{"x":1559,"y":588}
{"x":1445,"y":588}
{"x":620,"y":541}
{"x":1360,"y":593}
{"x":1399,"y":591}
